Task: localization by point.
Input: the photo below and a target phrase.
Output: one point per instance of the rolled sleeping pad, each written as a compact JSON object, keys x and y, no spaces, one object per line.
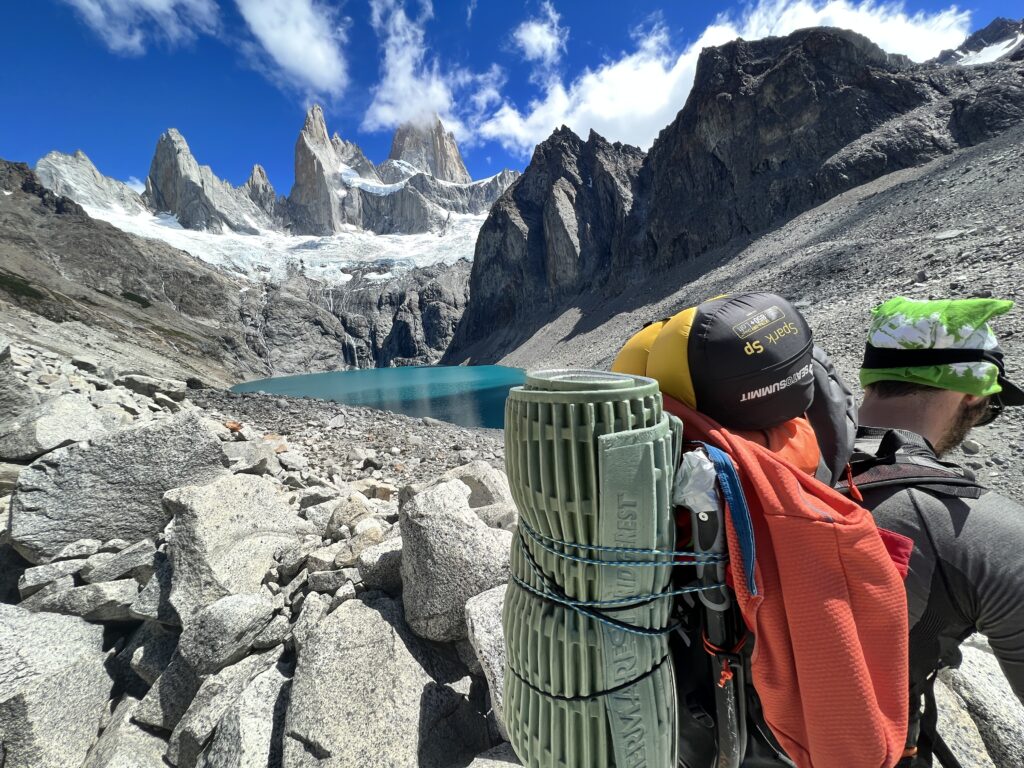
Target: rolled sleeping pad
{"x":589,"y":680}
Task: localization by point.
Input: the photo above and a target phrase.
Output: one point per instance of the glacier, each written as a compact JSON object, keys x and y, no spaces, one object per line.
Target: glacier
{"x":332,"y":259}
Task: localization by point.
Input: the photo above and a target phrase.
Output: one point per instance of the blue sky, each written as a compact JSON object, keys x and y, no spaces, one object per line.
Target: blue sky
{"x":236,"y":76}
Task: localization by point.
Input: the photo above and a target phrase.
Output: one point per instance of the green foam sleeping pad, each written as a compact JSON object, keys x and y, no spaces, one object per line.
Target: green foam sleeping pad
{"x":590,"y":458}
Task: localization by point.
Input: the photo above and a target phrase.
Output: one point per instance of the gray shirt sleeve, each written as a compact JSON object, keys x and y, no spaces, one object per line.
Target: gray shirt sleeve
{"x":986,"y":545}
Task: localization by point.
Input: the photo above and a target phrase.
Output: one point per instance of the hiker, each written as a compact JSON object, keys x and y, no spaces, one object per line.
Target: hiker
{"x":933,"y":370}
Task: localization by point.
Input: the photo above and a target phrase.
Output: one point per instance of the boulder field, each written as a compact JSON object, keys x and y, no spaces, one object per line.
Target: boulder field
{"x":199,"y":579}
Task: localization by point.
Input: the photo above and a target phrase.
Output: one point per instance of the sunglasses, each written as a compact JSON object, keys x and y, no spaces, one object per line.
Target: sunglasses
{"x":992,"y":412}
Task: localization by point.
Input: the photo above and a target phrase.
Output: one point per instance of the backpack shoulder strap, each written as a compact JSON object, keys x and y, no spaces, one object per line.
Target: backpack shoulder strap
{"x":911,"y":465}
{"x":833,"y":415}
{"x":908,"y":474}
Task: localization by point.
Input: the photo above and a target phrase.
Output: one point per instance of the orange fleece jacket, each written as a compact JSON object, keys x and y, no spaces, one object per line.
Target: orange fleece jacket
{"x":830,"y":662}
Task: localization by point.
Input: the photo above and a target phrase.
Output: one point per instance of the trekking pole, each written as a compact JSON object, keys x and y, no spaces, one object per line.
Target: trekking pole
{"x":707,"y":513}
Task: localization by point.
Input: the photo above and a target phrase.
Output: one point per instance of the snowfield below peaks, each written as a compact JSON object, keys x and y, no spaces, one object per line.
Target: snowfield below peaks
{"x":992,"y":53}
{"x":332,"y":259}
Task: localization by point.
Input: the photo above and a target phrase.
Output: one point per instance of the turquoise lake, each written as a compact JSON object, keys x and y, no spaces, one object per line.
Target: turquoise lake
{"x":472,"y":396}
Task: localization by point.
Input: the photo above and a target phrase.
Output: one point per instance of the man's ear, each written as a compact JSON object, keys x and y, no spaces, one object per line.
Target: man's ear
{"x":972,"y":400}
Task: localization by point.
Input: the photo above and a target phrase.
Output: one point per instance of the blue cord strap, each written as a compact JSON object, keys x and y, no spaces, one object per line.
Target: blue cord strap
{"x":732,"y":491}
{"x":553,"y":593}
{"x":692,"y":558}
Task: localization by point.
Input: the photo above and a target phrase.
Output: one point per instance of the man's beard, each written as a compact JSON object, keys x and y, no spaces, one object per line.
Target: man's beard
{"x":967,"y":416}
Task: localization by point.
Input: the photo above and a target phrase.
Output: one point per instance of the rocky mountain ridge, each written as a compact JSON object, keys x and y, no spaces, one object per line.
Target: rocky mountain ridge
{"x":336,"y":187}
{"x":82,"y":284}
{"x":771,"y":128}
{"x":75,"y":177}
{"x":1002,"y":40}
{"x":198,"y":199}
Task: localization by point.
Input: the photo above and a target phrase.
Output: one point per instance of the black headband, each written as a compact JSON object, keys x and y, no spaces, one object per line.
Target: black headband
{"x":886,"y":357}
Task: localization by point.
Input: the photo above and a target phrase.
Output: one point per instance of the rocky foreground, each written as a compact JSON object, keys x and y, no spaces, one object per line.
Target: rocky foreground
{"x":184,"y":587}
{"x":194,"y":578}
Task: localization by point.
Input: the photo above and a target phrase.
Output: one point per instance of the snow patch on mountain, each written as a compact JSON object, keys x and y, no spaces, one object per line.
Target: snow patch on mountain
{"x":993,"y":52}
{"x":1001,"y":40}
{"x":272,"y":256}
{"x":340,"y":219}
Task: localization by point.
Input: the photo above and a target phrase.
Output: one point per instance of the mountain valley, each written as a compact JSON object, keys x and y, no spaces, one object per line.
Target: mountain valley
{"x":197,"y":577}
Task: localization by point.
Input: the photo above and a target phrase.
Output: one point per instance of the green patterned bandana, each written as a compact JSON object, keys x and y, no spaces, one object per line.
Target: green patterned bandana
{"x":902,"y":323}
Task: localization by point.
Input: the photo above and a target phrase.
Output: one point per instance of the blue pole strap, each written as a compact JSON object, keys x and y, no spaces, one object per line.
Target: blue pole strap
{"x":732,"y":491}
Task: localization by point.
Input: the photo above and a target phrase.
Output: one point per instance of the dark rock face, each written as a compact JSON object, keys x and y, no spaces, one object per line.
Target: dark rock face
{"x":19,"y":177}
{"x":367,"y":323}
{"x":771,"y":128}
{"x":995,"y":107}
{"x":774,"y":127}
{"x":550,"y":235}
{"x":751,"y":145}
{"x":431,"y":149}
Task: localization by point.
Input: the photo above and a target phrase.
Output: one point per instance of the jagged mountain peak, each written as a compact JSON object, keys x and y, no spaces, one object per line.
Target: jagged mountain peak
{"x":76,"y":177}
{"x":260,"y":190}
{"x":173,"y":141}
{"x":175,"y":137}
{"x":563,"y":149}
{"x":771,"y":128}
{"x":330,"y":149}
{"x":426,"y":144}
{"x":258,"y":176}
{"x":315,"y":127}
{"x":178,"y":183}
{"x":998,"y":30}
{"x":336,"y":187}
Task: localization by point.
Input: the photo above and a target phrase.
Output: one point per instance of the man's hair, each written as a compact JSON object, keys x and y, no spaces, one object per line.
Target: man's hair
{"x":889,"y":388}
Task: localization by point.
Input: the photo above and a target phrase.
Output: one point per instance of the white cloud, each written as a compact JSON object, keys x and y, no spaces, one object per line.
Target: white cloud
{"x":127,"y":26}
{"x":633,"y":97}
{"x":470,"y":9}
{"x":542,"y":39}
{"x":135,"y":184}
{"x":920,"y":35}
{"x":301,"y":43}
{"x":413,"y":86}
